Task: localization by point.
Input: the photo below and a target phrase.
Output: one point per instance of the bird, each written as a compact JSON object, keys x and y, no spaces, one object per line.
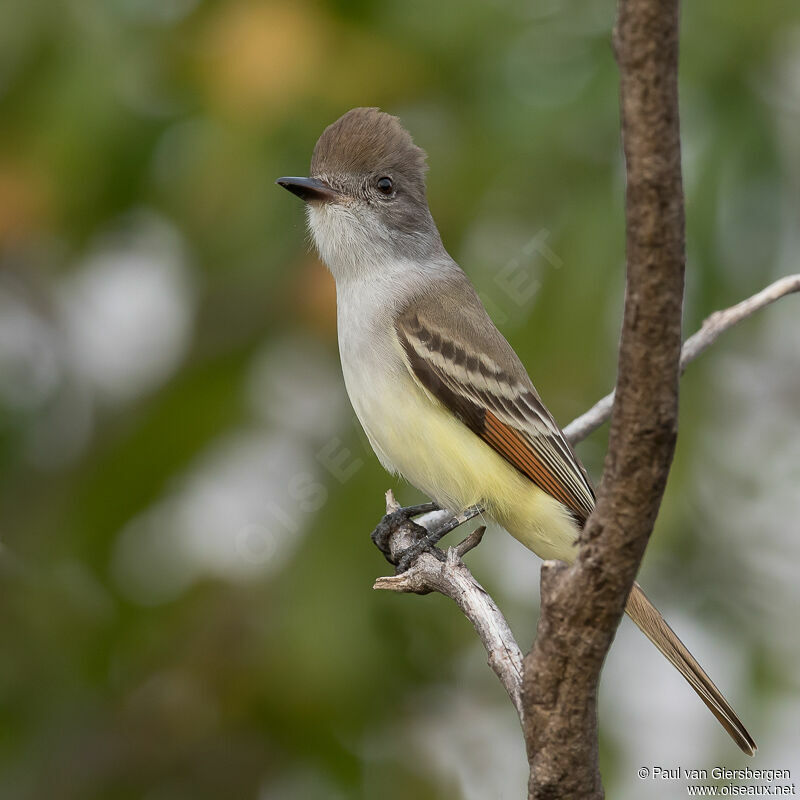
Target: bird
{"x":441,"y":395}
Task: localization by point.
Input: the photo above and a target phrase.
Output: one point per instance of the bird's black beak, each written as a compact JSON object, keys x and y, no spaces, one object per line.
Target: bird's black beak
{"x":309,"y":189}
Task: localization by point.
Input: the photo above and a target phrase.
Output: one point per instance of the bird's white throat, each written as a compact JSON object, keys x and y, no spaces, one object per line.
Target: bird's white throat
{"x":350,"y":238}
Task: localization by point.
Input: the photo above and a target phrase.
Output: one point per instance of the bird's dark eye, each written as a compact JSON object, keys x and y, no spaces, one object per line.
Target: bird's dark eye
{"x":385,"y":185}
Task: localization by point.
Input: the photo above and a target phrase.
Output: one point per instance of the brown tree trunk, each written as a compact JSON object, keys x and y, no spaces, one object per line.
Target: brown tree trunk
{"x":583,"y":604}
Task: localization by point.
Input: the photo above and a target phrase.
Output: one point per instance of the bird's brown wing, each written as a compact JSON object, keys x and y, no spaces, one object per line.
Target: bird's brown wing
{"x":477,"y":376}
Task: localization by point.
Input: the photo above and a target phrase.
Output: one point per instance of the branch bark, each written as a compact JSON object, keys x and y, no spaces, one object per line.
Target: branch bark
{"x":583,"y":604}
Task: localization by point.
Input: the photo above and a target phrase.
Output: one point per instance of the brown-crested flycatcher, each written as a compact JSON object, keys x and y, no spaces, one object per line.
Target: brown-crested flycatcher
{"x":442,"y":397}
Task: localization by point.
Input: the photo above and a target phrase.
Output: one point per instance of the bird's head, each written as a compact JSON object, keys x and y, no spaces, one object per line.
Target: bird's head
{"x":365,"y":197}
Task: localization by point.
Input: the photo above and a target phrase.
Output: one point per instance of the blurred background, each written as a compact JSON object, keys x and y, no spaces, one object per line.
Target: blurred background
{"x":185,"y":499}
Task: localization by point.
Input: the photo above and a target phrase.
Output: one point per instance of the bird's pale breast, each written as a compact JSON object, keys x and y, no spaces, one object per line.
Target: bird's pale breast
{"x":413,"y":435}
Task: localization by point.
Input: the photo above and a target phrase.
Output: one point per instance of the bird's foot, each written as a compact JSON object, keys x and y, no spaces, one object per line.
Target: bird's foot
{"x":412,"y":553}
{"x":427,"y":543}
{"x":382,"y":534}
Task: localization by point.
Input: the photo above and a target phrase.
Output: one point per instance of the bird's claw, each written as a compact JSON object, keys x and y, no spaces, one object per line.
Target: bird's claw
{"x":381,"y":535}
{"x":384,"y":529}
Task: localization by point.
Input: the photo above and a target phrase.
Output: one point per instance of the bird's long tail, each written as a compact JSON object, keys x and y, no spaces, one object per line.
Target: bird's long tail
{"x":653,"y":625}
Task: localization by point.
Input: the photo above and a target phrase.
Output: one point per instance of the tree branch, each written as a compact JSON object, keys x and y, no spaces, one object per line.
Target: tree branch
{"x":695,"y":345}
{"x":583,"y":604}
{"x":450,"y":577}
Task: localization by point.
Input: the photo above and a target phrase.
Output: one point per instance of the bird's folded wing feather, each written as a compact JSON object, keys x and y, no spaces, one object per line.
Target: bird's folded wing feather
{"x":470,"y":368}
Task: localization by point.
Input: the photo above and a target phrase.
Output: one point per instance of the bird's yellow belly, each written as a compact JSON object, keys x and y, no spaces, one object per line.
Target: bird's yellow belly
{"x":418,"y":438}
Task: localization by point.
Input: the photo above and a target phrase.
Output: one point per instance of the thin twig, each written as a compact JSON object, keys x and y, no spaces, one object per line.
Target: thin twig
{"x":697,"y":343}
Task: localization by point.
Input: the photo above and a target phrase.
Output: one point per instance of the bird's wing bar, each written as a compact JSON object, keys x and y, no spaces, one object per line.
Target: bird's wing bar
{"x":501,"y":408}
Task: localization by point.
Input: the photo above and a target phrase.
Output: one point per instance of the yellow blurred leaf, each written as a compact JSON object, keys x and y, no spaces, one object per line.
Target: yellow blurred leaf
{"x":258,"y":55}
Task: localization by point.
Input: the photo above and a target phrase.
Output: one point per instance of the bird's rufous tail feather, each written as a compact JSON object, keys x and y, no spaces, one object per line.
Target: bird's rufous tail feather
{"x":653,"y":625}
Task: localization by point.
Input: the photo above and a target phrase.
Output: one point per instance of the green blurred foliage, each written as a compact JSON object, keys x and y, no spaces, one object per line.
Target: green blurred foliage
{"x":132,"y":670}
